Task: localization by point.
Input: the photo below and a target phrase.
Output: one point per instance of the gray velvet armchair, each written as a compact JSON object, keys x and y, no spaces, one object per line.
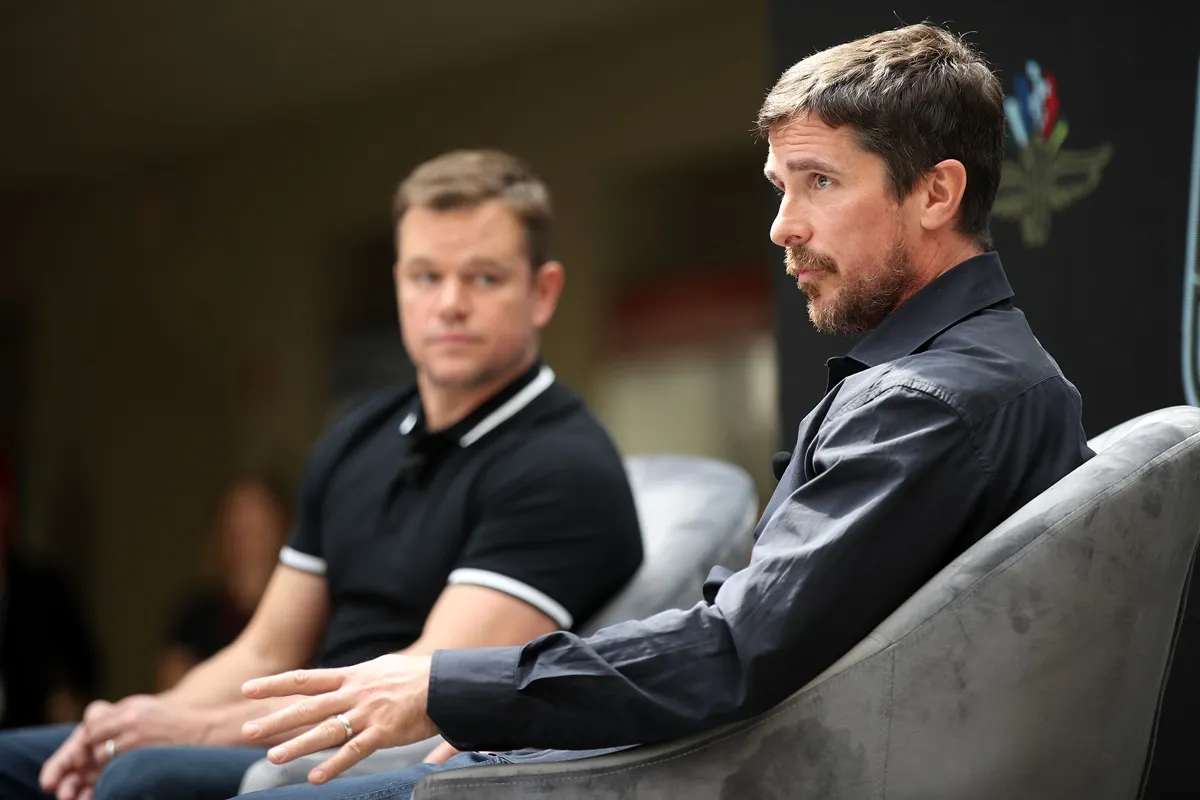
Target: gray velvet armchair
{"x":695,"y":512}
{"x":1172,"y":767}
{"x":1031,"y":667}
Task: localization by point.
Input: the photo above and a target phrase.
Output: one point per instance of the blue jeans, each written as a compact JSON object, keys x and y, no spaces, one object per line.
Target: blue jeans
{"x":396,"y":785}
{"x":150,"y":773}
{"x":399,"y":785}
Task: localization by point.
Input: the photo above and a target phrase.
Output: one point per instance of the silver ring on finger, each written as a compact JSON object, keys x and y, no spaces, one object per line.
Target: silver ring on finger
{"x":110,"y":747}
{"x":342,"y":718}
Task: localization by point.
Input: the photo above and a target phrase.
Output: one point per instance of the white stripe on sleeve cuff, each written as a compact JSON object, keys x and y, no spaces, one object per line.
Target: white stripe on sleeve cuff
{"x":291,"y":557}
{"x":522,"y":591}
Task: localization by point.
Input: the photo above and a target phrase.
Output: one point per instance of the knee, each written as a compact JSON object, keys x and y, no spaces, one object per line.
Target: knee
{"x":263,"y":775}
{"x":137,"y":775}
{"x":23,"y":751}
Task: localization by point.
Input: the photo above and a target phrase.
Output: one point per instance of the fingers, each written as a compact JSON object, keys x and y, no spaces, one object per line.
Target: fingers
{"x":53,"y":772}
{"x":302,"y":713}
{"x":121,"y":744}
{"x":107,"y":727}
{"x":71,"y":755}
{"x":78,"y":785}
{"x":440,"y":753}
{"x":299,"y":681}
{"x":70,"y":787}
{"x":96,"y":710}
{"x":329,"y":733}
{"x":350,"y":754}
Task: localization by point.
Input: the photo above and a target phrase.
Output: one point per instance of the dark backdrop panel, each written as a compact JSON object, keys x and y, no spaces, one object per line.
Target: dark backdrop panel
{"x":1105,"y":292}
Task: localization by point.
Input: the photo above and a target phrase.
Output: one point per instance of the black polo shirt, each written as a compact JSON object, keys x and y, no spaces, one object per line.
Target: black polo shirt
{"x":526,"y":495}
{"x":938,"y":425}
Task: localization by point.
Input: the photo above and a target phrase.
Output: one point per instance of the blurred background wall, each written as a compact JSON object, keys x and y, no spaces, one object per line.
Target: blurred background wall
{"x":195,"y":238}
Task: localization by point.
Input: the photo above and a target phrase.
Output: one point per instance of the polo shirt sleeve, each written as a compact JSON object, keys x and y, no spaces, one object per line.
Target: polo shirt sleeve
{"x":557,"y":527}
{"x":303,"y":550}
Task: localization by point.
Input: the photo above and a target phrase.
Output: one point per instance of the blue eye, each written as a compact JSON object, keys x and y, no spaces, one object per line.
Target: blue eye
{"x":822,"y":181}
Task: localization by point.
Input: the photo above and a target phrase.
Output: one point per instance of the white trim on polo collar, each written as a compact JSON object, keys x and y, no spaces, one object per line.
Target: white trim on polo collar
{"x":509,"y":409}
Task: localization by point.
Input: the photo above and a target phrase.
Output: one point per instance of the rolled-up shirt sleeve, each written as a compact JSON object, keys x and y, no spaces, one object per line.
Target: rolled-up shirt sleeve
{"x":862,"y":519}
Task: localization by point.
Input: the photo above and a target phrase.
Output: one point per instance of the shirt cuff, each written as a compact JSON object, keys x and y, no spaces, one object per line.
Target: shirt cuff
{"x":471,"y":693}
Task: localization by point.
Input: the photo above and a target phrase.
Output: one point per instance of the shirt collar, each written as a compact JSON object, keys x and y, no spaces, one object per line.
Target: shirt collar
{"x":489,"y":415}
{"x":956,"y":294}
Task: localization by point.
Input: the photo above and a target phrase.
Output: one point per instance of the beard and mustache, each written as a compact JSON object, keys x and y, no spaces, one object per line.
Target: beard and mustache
{"x":862,"y":301}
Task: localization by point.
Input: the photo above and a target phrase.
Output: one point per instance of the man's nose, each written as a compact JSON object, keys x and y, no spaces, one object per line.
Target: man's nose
{"x":452,"y":299}
{"x":790,"y":228}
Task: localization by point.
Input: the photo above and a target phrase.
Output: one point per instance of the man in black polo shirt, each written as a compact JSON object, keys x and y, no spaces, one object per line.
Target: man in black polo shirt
{"x":485,"y":506}
{"x":945,"y":419}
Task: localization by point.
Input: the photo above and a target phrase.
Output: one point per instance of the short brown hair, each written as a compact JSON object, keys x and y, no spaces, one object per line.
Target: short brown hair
{"x":914,"y":96}
{"x":466,"y":178}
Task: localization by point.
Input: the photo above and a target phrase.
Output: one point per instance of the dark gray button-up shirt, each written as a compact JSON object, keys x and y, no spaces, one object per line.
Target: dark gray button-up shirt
{"x":937,"y":426}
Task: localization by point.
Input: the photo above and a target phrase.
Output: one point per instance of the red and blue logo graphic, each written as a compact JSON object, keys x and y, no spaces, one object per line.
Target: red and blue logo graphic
{"x":1044,"y":177}
{"x":1032,"y":109}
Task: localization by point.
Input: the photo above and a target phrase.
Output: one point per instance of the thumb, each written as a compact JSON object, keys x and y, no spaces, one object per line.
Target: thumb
{"x":95,"y":710}
{"x":441,"y":753}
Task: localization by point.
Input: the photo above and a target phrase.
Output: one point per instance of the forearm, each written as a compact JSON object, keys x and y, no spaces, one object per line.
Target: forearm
{"x":770,"y":629}
{"x":217,"y":681}
{"x":683,"y":674}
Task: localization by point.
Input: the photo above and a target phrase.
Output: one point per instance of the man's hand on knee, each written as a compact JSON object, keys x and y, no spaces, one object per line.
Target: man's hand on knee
{"x":142,"y":721}
{"x":72,"y":768}
{"x":361,"y":709}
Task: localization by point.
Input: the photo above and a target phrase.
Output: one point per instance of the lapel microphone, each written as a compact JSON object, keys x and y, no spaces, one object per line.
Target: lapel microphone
{"x":779,"y":463}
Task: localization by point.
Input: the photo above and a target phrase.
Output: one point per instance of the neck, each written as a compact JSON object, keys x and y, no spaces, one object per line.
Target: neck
{"x":446,"y":405}
{"x":944,"y":254}
{"x":936,"y":258}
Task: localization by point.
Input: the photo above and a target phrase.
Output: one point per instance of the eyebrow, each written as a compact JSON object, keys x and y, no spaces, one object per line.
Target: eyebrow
{"x":484,"y":262}
{"x":802,"y":165}
{"x":415,"y":262}
{"x":475,"y":262}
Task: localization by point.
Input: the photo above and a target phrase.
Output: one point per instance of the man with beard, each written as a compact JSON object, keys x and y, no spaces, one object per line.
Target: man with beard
{"x":945,"y":418}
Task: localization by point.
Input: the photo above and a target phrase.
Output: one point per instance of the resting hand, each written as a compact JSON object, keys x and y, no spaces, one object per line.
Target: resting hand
{"x":143,"y":721}
{"x":382,"y":701}
{"x":70,"y":773}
